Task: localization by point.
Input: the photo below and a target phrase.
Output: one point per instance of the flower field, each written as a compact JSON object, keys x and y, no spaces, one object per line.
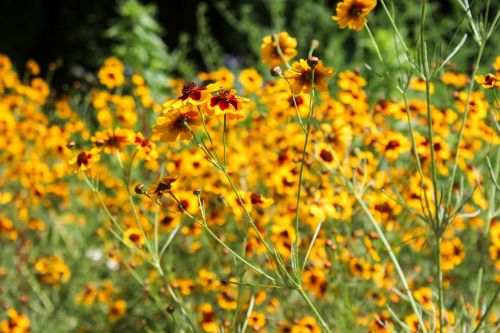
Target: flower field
{"x":290,"y":195}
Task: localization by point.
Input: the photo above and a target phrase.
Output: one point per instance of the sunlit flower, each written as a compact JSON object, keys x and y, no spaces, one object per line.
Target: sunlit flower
{"x":16,"y":323}
{"x":300,"y":76}
{"x":176,"y":123}
{"x":85,"y":159}
{"x":251,"y":80}
{"x":227,"y":102}
{"x":352,"y":13}
{"x":269,"y":53}
{"x":488,"y":81}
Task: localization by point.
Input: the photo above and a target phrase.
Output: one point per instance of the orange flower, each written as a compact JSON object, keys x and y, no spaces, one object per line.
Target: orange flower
{"x":300,"y":76}
{"x":352,"y":13}
{"x":175,"y":123}
{"x":269,"y":53}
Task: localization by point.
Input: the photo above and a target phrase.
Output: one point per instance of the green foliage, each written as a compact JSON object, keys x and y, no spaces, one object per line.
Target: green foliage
{"x":138,"y":43}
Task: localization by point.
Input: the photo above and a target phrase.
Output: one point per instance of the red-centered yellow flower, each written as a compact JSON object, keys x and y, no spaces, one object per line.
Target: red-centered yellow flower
{"x":111,"y":74}
{"x":133,"y":237}
{"x":269,"y":53}
{"x":16,"y":323}
{"x":352,"y":13}
{"x":488,"y":81}
{"x":300,"y":76}
{"x":193,"y":94}
{"x":113,"y":139}
{"x":227,"y":102}
{"x":117,"y":310}
{"x":84,"y":160}
{"x":175,"y":123}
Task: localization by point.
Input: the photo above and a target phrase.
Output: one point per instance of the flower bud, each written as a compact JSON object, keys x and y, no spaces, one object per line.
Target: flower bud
{"x":312,"y":61}
{"x":276,"y":72}
{"x":139,"y":189}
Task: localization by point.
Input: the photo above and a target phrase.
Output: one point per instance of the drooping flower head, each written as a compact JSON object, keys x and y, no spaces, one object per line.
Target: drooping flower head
{"x":269,"y":53}
{"x":175,"y":123}
{"x":300,"y":76}
{"x":352,"y":13}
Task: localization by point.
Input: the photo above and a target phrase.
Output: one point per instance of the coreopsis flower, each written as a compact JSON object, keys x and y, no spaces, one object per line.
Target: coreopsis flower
{"x":352,"y":13}
{"x":488,"y":81}
{"x":146,"y":146}
{"x":133,"y":237}
{"x":223,"y":76}
{"x":87,"y":296}
{"x":15,"y":323}
{"x":251,"y":80}
{"x":208,"y":320}
{"x":111,"y":74}
{"x":257,"y":320}
{"x":117,"y":310}
{"x":192,"y":94}
{"x":52,"y":270}
{"x":113,"y":139}
{"x":5,"y":64}
{"x":227,"y":102}
{"x":381,"y":323}
{"x":163,"y":186}
{"x":85,"y":159}
{"x":176,"y":123}
{"x":300,"y":76}
{"x":269,"y":53}
{"x":33,"y":67}
{"x":418,"y":84}
{"x":458,"y":80}
{"x":392,"y":145}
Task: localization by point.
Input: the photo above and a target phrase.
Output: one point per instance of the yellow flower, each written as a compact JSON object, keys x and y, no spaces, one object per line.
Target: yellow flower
{"x":16,"y":323}
{"x":117,"y":310}
{"x":84,"y":160}
{"x":300,"y":76}
{"x":222,"y":76}
{"x":269,"y":53}
{"x":419,"y":85}
{"x":32,"y":67}
{"x":111,"y":74}
{"x":175,"y":123}
{"x":52,"y":270}
{"x":251,"y":80}
{"x":458,"y":80}
{"x":488,"y":81}
{"x":133,"y":237}
{"x":352,"y":13}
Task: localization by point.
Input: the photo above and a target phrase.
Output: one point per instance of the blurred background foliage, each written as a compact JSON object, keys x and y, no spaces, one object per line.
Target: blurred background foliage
{"x":165,"y":39}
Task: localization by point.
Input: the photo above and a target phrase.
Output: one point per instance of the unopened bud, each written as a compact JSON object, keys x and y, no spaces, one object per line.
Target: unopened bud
{"x":312,"y":61}
{"x":139,"y":189}
{"x":276,"y":72}
{"x":170,"y":309}
{"x":71,"y":145}
{"x":314,"y":43}
{"x":197,"y":192}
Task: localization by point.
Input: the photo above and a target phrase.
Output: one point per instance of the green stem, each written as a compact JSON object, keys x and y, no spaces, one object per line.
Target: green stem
{"x":464,"y":118}
{"x":314,"y":309}
{"x":440,"y":284}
